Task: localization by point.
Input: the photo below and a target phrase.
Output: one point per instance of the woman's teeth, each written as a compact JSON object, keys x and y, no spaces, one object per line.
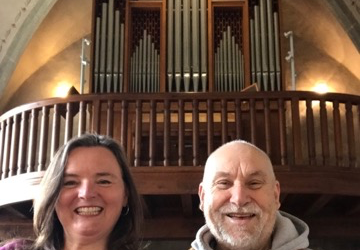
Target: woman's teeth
{"x":88,"y":210}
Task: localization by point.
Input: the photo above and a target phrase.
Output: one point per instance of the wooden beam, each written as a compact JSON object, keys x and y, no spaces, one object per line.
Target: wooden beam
{"x":318,"y":204}
{"x":302,"y":180}
{"x":186,"y":202}
{"x":167,"y":180}
{"x":354,"y":210}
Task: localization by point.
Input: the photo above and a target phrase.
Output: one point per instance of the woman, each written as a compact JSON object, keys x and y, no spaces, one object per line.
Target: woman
{"x":87,"y":199}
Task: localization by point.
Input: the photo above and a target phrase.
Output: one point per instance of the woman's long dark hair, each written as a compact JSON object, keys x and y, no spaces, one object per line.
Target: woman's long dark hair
{"x":47,"y":227}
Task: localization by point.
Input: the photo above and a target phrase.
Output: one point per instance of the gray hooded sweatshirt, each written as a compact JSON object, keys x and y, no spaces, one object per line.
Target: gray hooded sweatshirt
{"x":290,"y":233}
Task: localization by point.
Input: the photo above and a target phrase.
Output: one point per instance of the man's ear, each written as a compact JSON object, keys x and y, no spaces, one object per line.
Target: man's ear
{"x":201,"y":194}
{"x":277,"y":194}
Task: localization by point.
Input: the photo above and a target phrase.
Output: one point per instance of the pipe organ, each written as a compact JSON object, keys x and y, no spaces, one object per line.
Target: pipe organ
{"x":185,"y":46}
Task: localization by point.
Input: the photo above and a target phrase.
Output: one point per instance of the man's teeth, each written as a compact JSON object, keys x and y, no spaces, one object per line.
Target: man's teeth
{"x":88,"y":210}
{"x":241,"y":215}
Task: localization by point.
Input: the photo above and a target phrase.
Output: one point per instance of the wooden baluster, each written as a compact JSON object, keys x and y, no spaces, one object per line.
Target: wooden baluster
{"x":267,"y":126}
{"x":296,"y":133}
{"x":152,"y":133}
{"x":82,"y":118}
{"x":310,"y":132}
{"x":282,"y":132}
{"x":96,"y":117}
{"x":350,"y":134}
{"x":2,"y":137}
{"x":224,"y":122}
{"x":6,"y":153}
{"x":195,"y":119}
{"x":44,"y":128}
{"x":339,"y":152}
{"x":23,"y":140}
{"x":181,"y":132}
{"x":138,"y":129}
{"x":210,"y":127}
{"x":166,"y":132}
{"x":124,"y":124}
{"x":68,"y":122}
{"x":238,"y":117}
{"x":14,"y":145}
{"x":110,"y":119}
{"x":55,"y":135}
{"x":32,"y":140}
{"x":324,"y":133}
{"x":253,"y":121}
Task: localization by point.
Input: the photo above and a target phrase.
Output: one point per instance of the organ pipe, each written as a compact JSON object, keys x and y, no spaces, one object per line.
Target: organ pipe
{"x":110,"y":41}
{"x":203,"y":45}
{"x":103,"y":47}
{"x":170,"y":44}
{"x":264,"y":45}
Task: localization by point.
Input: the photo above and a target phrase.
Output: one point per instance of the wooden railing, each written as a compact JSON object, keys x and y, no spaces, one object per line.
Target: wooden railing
{"x":297,"y":129}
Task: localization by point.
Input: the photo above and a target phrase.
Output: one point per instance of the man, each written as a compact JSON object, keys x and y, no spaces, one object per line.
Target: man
{"x":239,"y":196}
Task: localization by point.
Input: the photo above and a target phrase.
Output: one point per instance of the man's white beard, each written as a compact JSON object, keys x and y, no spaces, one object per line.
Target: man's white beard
{"x":240,"y":238}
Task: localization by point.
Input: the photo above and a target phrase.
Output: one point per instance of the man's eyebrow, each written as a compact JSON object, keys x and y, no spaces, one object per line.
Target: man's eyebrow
{"x":221,"y":174}
{"x":258,"y":173}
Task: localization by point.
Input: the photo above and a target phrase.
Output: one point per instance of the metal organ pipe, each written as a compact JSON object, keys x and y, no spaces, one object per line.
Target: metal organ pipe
{"x":170,"y":44}
{"x":110,"y":41}
{"x":271,"y":39}
{"x":122,"y":41}
{"x":186,"y":43}
{"x":103,"y":47}
{"x":252,"y":48}
{"x":277,"y":50}
{"x":203,"y":45}
{"x":97,"y":55}
{"x":178,"y":44}
{"x":257,"y":44}
{"x":116,"y":51}
{"x":195,"y":43}
{"x":229,"y":56}
{"x":264,"y":45}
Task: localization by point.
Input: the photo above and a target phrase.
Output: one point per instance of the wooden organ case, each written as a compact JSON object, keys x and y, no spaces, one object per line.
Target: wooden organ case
{"x":185,"y":46}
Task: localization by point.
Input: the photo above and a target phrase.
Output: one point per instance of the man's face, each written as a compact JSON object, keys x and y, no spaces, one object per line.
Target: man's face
{"x":239,"y":197}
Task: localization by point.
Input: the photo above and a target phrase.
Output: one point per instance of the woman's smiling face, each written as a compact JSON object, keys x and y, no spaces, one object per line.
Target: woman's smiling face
{"x":92,"y":196}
